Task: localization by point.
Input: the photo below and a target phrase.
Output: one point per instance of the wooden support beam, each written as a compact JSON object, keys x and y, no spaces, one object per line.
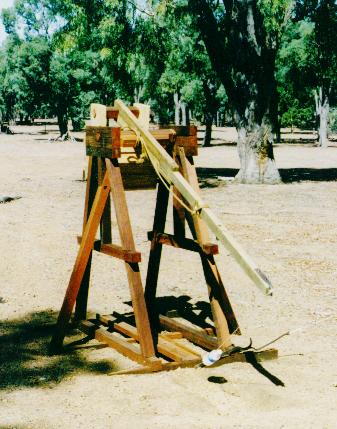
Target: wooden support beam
{"x":91,"y":189}
{"x":155,"y":257}
{"x":223,"y":315}
{"x":166,"y":366}
{"x":164,"y":137}
{"x":96,"y":246}
{"x":131,"y":351}
{"x":103,"y":142}
{"x":112,"y":112}
{"x":80,"y":264}
{"x":132,"y":269}
{"x":166,"y":346}
{"x":131,"y":256}
{"x":183,"y":243}
{"x":116,"y":251}
{"x":105,"y":224}
{"x":110,"y":321}
{"x":163,"y":158}
{"x":261,"y":356}
{"x":196,"y":336}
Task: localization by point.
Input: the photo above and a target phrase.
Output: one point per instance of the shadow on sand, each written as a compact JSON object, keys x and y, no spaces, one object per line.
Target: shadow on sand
{"x":288,"y":175}
{"x":24,"y":359}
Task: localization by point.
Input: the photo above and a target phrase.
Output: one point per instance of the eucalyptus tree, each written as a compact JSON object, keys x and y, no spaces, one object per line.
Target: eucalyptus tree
{"x":295,"y":77}
{"x":58,"y":69}
{"x":188,"y":74}
{"x":321,"y":56}
{"x":242,"y":39}
{"x":177,"y":65}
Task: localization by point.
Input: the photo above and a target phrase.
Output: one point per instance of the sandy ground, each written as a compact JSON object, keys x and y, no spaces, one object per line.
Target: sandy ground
{"x":289,"y":229}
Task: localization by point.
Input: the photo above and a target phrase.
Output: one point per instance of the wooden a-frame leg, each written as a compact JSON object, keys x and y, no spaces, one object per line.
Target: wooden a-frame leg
{"x":132,"y":269}
{"x":91,"y":189}
{"x":178,"y":212}
{"x":80,"y":264}
{"x":105,"y":226}
{"x":96,"y":172}
{"x":223,"y":315}
{"x":154,"y":258}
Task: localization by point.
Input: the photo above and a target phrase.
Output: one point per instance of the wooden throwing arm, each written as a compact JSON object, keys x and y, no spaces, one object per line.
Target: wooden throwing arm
{"x":168,"y":168}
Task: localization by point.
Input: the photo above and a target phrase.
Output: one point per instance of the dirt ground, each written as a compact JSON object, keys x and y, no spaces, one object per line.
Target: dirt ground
{"x":289,"y":229}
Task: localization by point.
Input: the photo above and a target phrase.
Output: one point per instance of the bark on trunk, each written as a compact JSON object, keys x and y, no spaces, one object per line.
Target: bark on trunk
{"x":255,"y":147}
{"x":322,"y":111}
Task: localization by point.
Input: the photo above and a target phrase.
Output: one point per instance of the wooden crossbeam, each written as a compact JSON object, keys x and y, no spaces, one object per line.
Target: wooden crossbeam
{"x":112,"y":113}
{"x":183,"y":243}
{"x":119,"y":252}
{"x":132,"y":351}
{"x":166,"y":345}
{"x":116,"y":251}
{"x":197,"y":336}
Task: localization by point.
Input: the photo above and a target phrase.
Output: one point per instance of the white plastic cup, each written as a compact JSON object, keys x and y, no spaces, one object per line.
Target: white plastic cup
{"x":211,"y":357}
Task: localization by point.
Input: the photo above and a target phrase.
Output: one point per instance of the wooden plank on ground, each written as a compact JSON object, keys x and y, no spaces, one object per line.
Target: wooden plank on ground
{"x":131,"y":351}
{"x":196,"y":336}
{"x":165,"y":346}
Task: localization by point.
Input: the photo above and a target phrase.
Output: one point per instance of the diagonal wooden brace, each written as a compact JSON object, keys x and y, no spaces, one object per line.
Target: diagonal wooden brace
{"x":83,"y":255}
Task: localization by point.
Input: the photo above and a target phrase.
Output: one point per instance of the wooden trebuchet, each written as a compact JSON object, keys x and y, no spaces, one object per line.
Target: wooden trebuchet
{"x":167,"y":167}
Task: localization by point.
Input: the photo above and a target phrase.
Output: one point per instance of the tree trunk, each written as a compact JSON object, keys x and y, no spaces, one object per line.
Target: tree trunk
{"x":322,"y":111}
{"x":255,"y":148}
{"x":208,"y":130}
{"x":138,"y":93}
{"x":210,"y":87}
{"x":62,"y":123}
{"x":185,"y":114}
{"x":177,"y":106}
{"x":243,"y":55}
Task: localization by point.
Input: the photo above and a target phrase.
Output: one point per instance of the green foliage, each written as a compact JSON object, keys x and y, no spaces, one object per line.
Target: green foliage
{"x":333,"y":120}
{"x":294,"y":73}
{"x":275,"y":13}
{"x":307,"y":60}
{"x":70,"y":53}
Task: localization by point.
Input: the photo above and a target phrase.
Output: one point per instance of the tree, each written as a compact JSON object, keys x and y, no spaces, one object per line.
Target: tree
{"x":322,"y":56}
{"x":188,"y":74}
{"x":51,"y":64}
{"x":295,"y":76}
{"x":242,"y":39}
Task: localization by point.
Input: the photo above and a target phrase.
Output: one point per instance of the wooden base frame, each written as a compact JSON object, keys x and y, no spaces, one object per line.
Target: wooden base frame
{"x":151,"y":339}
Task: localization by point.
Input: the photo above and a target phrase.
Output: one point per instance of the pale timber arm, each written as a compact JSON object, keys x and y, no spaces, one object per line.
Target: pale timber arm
{"x":169,"y":169}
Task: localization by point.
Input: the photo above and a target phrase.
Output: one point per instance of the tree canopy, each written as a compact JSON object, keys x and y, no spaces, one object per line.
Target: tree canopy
{"x":257,"y":64}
